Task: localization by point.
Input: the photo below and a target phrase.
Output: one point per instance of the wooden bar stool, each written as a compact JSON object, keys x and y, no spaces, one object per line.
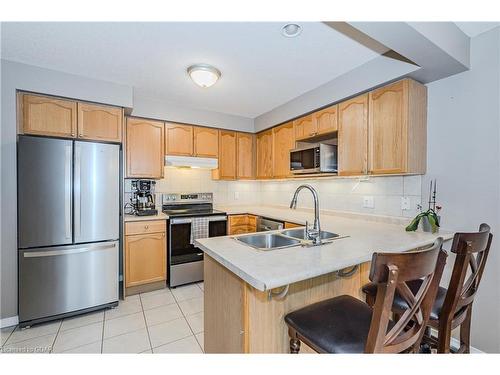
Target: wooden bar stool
{"x":347,"y":325}
{"x":453,"y":306}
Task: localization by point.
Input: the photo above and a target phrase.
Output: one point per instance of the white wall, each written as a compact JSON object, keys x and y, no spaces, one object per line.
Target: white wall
{"x":30,"y":78}
{"x":464,"y":156}
{"x":146,"y":106}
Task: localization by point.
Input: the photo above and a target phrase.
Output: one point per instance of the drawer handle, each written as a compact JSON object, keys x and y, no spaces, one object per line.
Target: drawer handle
{"x":146,"y":226}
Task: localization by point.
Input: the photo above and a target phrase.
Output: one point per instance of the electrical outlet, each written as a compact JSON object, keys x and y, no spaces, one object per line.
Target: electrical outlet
{"x":236,"y":195}
{"x":405,"y":203}
{"x":368,"y":201}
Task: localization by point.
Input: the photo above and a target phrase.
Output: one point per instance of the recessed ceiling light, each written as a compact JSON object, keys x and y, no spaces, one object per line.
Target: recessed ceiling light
{"x":291,"y":30}
{"x":204,"y":75}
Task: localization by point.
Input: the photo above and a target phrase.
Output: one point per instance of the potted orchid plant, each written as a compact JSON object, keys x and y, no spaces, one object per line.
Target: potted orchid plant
{"x":430,"y":219}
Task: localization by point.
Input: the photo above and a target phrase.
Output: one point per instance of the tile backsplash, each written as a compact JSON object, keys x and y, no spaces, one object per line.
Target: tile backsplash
{"x":343,"y":194}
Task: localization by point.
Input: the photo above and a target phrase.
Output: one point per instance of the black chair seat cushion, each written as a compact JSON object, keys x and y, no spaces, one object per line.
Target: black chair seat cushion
{"x":401,"y":305}
{"x":336,"y":325}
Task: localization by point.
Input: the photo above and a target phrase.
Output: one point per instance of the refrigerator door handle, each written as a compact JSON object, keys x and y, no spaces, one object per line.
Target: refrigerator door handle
{"x":67,"y":191}
{"x":84,"y":249}
{"x":78,"y":194}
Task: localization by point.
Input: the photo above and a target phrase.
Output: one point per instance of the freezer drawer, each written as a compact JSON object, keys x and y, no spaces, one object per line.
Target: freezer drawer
{"x":63,"y":279}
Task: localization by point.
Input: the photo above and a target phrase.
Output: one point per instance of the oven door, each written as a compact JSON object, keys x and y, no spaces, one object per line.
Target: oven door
{"x":304,"y":160}
{"x":181,"y":250}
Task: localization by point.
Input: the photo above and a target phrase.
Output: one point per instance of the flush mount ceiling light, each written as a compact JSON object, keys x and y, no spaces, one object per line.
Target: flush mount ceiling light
{"x":204,"y":75}
{"x":291,"y":30}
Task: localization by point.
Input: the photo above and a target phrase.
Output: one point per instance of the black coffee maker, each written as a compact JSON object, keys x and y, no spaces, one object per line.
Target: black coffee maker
{"x":143,"y":197}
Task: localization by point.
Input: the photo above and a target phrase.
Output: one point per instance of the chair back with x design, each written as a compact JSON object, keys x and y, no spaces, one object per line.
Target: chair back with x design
{"x":471,"y":251}
{"x":391,"y":272}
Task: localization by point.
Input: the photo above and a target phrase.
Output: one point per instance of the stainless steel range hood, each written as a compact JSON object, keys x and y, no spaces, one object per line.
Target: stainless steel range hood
{"x":191,"y":162}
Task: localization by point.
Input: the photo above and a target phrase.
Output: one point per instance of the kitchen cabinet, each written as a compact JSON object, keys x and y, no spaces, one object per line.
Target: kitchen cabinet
{"x":241,"y":224}
{"x":326,"y":120}
{"x":283,"y":142}
{"x":227,"y":155}
{"x":42,"y":115}
{"x":179,"y":139}
{"x":205,"y":142}
{"x":99,"y":122}
{"x":289,"y":225}
{"x":397,"y":128}
{"x":245,"y":159}
{"x":144,"y":148}
{"x":145,"y":254}
{"x":353,"y":136}
{"x":304,"y":127}
{"x":265,"y":154}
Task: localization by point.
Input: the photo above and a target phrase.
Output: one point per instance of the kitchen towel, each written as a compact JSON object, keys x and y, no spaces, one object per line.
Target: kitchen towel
{"x":199,"y":228}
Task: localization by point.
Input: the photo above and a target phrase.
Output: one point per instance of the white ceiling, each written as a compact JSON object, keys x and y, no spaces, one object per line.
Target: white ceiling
{"x":473,"y":29}
{"x":261,"y":69}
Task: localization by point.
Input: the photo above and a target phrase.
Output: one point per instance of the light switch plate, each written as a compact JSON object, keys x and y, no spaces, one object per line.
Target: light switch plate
{"x":236,"y":195}
{"x":368,"y":201}
{"x":405,"y":203}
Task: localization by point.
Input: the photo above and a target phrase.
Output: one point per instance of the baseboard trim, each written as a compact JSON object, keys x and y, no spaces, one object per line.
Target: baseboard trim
{"x":8,"y":322}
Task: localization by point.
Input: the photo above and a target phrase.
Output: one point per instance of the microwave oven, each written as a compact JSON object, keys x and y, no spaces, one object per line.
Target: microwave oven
{"x":319,"y":158}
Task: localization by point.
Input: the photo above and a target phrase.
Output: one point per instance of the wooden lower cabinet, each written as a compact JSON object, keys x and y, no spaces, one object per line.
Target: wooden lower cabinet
{"x":241,"y":224}
{"x":145,"y":254}
{"x":241,"y":319}
{"x":289,"y":225}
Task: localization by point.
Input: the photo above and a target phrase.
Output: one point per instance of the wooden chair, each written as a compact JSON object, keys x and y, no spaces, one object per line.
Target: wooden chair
{"x":453,"y":306}
{"x":347,"y":325}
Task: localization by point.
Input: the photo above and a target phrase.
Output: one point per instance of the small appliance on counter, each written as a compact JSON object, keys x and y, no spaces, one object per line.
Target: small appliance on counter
{"x":190,"y":217}
{"x":143,"y":198}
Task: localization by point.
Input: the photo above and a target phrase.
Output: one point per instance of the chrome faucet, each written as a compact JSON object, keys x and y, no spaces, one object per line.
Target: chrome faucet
{"x":313,"y":234}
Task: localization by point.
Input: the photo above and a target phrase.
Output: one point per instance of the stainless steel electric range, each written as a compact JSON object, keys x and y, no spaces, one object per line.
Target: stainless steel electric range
{"x":191,"y":216}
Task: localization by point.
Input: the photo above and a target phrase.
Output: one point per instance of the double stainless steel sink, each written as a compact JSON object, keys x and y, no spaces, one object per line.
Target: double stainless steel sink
{"x":282,"y":239}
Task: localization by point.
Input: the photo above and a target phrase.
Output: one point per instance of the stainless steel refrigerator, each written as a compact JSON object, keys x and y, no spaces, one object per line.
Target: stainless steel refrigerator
{"x":68,"y":227}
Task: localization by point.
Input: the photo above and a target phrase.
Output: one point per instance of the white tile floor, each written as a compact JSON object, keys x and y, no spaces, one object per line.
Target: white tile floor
{"x":163,"y":321}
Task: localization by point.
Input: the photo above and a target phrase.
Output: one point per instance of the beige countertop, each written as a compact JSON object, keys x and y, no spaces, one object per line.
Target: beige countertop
{"x":266,"y":270}
{"x":159,"y":216}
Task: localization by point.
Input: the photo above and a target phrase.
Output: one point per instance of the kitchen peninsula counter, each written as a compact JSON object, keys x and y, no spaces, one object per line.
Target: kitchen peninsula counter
{"x":244,"y":310}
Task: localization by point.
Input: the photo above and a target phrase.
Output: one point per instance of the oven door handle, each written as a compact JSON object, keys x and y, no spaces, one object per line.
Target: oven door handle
{"x":190,"y":220}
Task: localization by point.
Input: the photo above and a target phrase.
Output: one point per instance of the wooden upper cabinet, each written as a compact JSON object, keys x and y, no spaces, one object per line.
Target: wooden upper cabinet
{"x":206,"y":142}
{"x":227,"y":155}
{"x":265,"y":154}
{"x":325,"y":120}
{"x":179,"y":139}
{"x":284,"y":141}
{"x":305,"y":127}
{"x":245,"y":148}
{"x":145,"y":148}
{"x":43,"y":115}
{"x":397,"y":128}
{"x":353,"y":136}
{"x":99,"y":122}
